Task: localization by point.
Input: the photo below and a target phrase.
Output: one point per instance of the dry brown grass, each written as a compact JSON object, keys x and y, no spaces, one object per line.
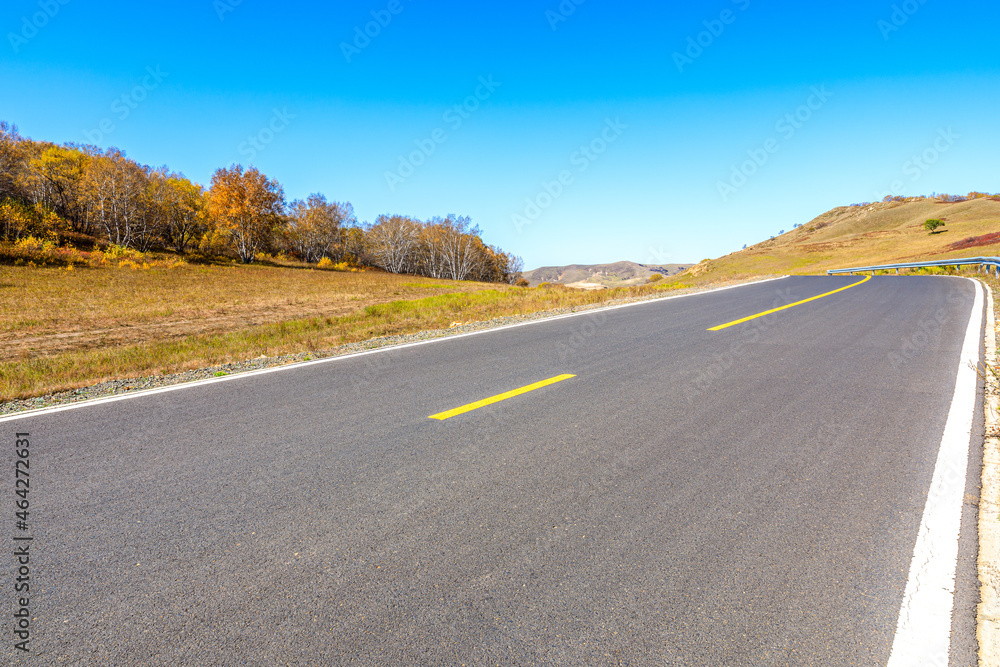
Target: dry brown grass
{"x":64,"y":329}
{"x":49,"y":310}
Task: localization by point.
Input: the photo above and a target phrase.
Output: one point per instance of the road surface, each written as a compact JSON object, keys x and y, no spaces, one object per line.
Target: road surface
{"x":745,"y":496}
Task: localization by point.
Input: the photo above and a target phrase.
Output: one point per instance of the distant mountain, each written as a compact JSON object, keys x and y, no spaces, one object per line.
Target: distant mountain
{"x":601,"y":276}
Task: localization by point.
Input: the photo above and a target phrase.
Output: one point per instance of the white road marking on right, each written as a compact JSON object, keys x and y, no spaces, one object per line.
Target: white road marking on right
{"x":923,"y":632}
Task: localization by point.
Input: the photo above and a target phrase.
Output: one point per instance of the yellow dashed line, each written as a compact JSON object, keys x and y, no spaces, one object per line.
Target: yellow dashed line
{"x":499,"y":397}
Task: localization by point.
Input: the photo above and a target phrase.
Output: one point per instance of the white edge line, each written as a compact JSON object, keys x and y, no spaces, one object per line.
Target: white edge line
{"x":389,"y":348}
{"x":923,"y":630}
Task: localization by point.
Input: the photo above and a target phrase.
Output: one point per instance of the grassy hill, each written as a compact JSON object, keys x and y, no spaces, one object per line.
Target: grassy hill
{"x":879,"y":233}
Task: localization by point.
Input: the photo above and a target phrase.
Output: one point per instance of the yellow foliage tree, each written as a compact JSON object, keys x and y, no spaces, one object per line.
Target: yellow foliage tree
{"x":248,"y":206}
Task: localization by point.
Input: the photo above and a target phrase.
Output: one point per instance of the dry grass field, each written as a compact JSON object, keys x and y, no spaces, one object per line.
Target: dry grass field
{"x":50,"y":310}
{"x":63,"y":329}
{"x":854,"y":236}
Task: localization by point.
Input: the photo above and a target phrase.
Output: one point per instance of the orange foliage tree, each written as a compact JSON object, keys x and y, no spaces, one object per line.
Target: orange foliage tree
{"x":248,"y":206}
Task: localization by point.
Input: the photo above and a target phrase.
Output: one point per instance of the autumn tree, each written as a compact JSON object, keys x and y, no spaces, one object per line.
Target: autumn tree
{"x":357,"y":249}
{"x":178,"y":209}
{"x":18,"y":219}
{"x":102,"y":194}
{"x":60,"y":174}
{"x":248,"y":206}
{"x":498,"y":266}
{"x":316,"y":228}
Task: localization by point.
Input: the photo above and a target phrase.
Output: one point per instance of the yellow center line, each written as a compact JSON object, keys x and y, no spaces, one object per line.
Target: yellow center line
{"x":499,"y":397}
{"x":791,"y":305}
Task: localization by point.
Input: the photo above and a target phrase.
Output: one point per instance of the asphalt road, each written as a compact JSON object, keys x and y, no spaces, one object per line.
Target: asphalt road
{"x":749,"y":496}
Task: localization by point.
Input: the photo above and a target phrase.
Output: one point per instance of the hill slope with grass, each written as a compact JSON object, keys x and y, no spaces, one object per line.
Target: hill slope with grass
{"x":880,"y":233}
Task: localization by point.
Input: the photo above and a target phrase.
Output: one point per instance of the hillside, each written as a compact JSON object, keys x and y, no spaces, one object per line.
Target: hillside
{"x":879,"y":233}
{"x":600,"y":276}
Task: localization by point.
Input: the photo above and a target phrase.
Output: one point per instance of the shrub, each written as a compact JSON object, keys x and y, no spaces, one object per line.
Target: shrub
{"x":656,"y":277}
{"x":34,"y":246}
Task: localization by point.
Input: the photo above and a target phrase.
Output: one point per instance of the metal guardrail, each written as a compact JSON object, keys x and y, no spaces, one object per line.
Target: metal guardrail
{"x":984,"y":263}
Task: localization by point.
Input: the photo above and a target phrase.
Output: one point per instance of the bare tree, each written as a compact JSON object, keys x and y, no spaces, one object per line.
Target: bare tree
{"x":431,"y":250}
{"x":459,"y":248}
{"x":117,"y":197}
{"x":12,"y":160}
{"x":393,"y":241}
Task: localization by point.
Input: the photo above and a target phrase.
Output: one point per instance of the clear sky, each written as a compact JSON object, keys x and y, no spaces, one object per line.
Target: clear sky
{"x":580,"y":131}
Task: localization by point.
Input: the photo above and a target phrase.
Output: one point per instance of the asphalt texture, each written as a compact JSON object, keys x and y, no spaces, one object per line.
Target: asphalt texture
{"x":750,"y":496}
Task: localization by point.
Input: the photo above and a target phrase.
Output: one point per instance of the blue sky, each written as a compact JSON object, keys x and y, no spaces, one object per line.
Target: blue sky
{"x":590,"y":132}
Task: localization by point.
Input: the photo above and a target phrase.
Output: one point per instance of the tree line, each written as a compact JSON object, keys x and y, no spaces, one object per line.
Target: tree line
{"x":83,"y":194}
